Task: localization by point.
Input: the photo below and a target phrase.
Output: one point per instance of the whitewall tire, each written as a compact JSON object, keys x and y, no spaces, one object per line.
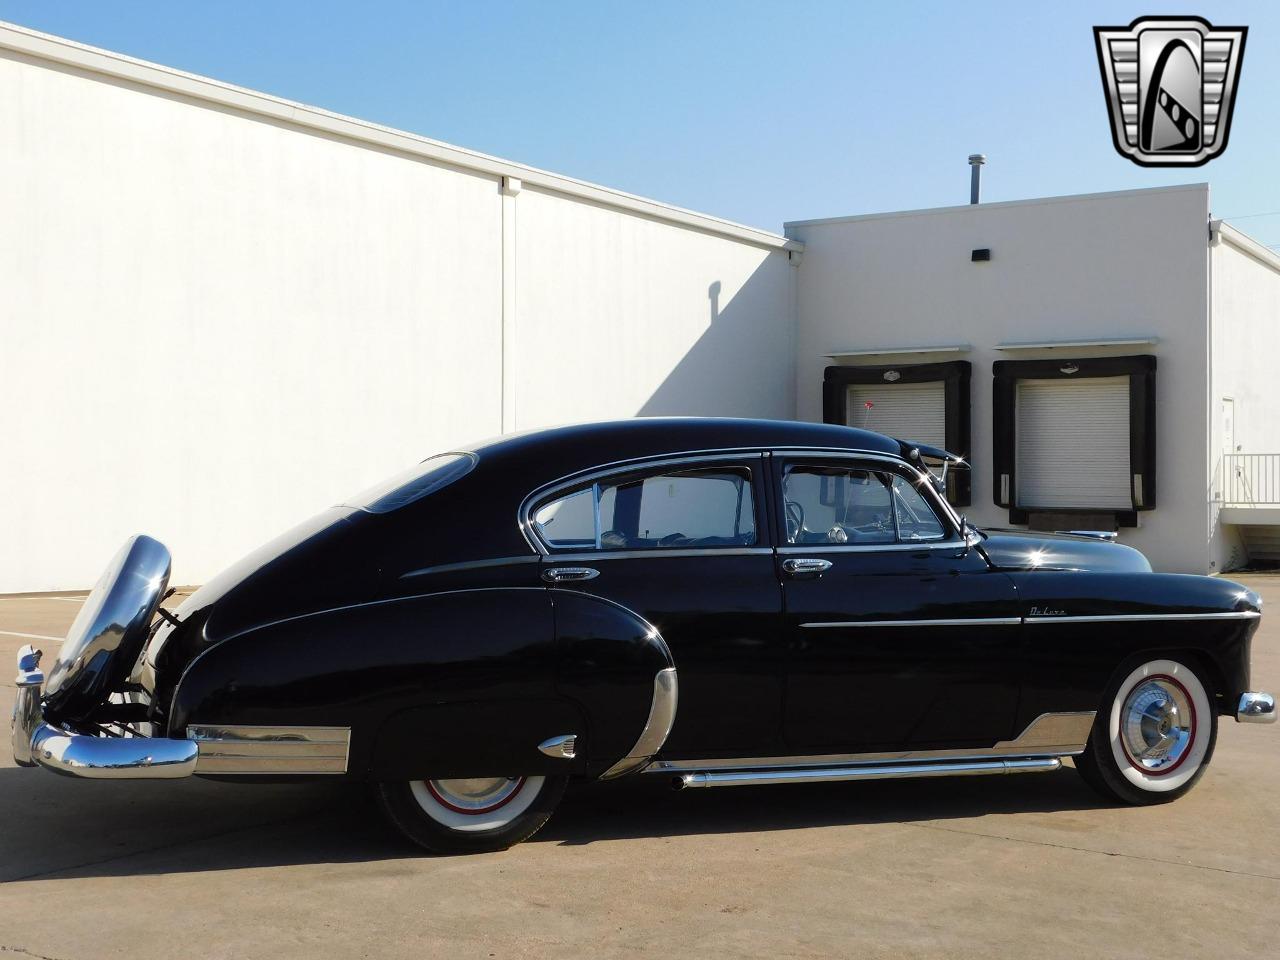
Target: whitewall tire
{"x":471,"y":815}
{"x":1153,"y":736}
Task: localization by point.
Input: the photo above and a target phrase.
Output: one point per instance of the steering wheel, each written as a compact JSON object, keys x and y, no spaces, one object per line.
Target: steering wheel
{"x":795,"y":520}
{"x":671,"y":539}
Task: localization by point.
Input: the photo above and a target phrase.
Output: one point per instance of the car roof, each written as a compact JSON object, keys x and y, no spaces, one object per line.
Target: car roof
{"x":569,"y":449}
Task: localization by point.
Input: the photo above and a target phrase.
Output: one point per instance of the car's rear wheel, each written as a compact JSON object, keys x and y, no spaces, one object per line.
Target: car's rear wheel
{"x":473,"y":815}
{"x":1153,"y":737}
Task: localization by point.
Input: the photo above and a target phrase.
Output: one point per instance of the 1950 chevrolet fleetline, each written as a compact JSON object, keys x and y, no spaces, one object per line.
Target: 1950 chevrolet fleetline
{"x":718,"y":602}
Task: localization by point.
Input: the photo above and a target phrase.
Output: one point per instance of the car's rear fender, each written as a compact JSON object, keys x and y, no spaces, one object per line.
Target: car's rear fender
{"x":452,"y":684}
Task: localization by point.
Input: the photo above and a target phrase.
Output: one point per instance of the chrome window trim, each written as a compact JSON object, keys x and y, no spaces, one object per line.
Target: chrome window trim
{"x":594,"y":555}
{"x":593,"y":476}
{"x":952,"y":622}
{"x":912,"y":547}
{"x":525,"y":522}
{"x":943,"y":510}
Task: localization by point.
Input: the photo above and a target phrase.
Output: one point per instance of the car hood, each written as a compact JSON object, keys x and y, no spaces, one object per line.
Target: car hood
{"x":1023,"y":550}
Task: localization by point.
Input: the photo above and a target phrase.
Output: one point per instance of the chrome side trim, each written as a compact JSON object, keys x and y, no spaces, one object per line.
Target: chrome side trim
{"x":1256,"y":708}
{"x":270,"y":750}
{"x":662,"y":716}
{"x":1058,"y":733}
{"x":112,"y":758}
{"x":1048,"y":735}
{"x":1126,"y":617}
{"x":471,"y":565}
{"x":957,"y":622}
{"x":893,"y":771}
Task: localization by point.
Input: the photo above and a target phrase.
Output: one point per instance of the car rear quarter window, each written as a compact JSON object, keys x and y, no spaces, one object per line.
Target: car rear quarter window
{"x":419,"y":481}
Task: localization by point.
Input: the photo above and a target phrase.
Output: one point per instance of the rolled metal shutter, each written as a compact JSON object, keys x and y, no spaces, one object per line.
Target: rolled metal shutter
{"x":907,"y":411}
{"x":1073,"y":443}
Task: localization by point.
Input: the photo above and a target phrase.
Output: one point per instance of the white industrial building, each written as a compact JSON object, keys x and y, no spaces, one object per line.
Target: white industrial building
{"x":223,"y":311}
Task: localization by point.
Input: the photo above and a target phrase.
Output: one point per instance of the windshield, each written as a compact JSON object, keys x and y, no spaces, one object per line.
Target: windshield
{"x":415,"y":483}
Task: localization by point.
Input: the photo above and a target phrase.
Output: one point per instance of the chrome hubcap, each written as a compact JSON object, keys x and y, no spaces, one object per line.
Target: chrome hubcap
{"x":477,"y":794}
{"x":1157,"y":724}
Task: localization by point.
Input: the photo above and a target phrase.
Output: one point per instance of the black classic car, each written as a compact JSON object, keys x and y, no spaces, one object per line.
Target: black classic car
{"x":717,"y":602}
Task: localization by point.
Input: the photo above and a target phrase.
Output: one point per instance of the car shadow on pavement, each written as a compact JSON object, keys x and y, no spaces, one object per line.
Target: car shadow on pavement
{"x":650,"y":808}
{"x":56,"y":828}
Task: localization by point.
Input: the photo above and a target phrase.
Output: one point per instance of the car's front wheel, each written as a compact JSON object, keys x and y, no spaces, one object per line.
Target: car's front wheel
{"x":474,"y":815}
{"x":1153,"y":737}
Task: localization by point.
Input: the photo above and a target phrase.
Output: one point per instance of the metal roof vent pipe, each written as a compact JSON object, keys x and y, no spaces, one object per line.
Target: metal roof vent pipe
{"x":976,"y":160}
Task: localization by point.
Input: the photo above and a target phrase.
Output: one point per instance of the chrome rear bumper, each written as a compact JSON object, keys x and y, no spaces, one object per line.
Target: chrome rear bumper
{"x":1256,"y":708}
{"x":103,"y":758}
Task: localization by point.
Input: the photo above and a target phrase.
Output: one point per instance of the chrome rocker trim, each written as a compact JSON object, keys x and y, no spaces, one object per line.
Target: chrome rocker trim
{"x":1256,"y":707}
{"x":662,"y":716}
{"x":1047,"y":737}
{"x":890,"y":771}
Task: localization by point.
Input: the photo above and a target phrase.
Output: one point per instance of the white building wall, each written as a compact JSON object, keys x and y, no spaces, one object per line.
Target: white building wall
{"x":623,"y":316}
{"x":221,"y":312}
{"x":1129,"y":264}
{"x":1245,"y":284}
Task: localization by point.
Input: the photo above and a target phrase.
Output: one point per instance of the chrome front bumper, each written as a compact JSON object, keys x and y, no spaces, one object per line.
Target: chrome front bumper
{"x":1256,"y":708}
{"x":104,"y":758}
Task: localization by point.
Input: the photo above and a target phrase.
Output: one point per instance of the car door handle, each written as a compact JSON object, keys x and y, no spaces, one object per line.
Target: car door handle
{"x":568,"y":574}
{"x":805,"y":567}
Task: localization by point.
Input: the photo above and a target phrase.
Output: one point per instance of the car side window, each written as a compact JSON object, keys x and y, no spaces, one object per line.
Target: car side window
{"x":842,"y":505}
{"x":675,"y":509}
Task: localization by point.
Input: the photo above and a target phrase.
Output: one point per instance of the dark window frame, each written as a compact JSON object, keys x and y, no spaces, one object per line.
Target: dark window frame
{"x":1141,"y":371}
{"x":956,"y":377}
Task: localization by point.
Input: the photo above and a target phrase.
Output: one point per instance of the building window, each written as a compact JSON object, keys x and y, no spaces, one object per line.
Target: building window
{"x":1074,"y":437}
{"x":924,"y":403}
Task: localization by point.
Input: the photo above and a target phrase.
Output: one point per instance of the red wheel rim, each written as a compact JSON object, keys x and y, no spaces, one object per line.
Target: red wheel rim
{"x":474,"y":811}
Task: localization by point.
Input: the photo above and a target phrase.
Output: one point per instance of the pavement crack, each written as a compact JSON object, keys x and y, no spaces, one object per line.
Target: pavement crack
{"x":1101,"y":853}
{"x":25,"y":952}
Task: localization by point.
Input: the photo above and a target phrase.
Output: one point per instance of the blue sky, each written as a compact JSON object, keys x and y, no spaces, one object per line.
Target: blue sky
{"x":757,"y":111}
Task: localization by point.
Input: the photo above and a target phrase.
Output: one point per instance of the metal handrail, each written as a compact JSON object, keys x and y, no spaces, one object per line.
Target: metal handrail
{"x":1250,"y":479}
